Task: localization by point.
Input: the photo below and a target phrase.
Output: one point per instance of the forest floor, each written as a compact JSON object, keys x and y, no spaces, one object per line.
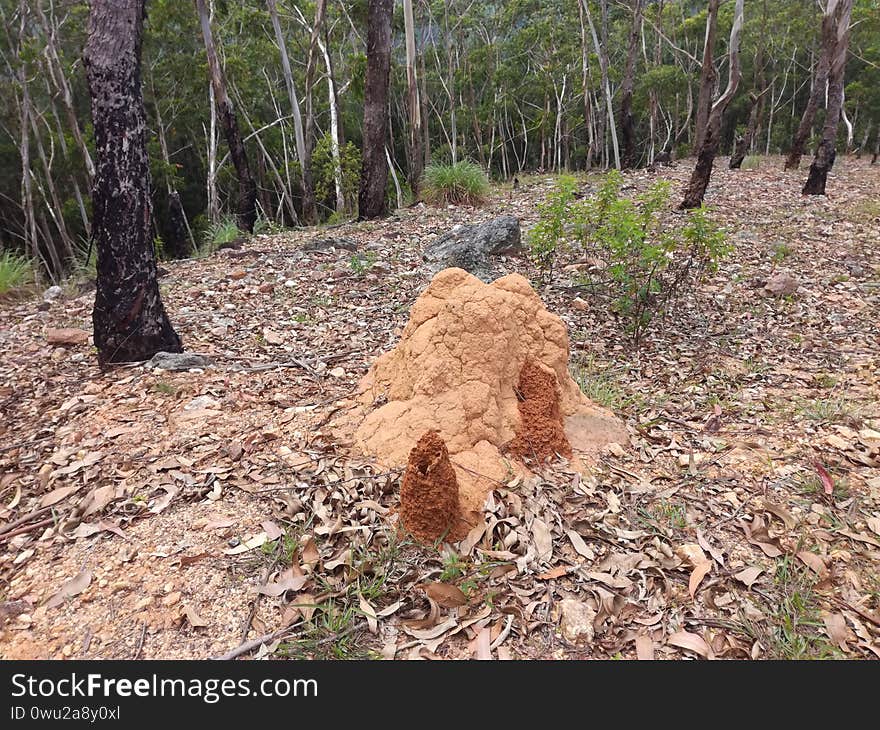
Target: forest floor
{"x":179,"y":514}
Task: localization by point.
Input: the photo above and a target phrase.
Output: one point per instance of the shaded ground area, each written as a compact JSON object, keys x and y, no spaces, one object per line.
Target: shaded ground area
{"x":184,"y":513}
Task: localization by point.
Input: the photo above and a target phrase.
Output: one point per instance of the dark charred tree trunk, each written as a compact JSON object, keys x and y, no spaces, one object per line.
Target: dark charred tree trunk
{"x":876,"y":147}
{"x":374,"y":168}
{"x":799,"y":142}
{"x":825,"y":152}
{"x":696,"y":189}
{"x":708,"y":76}
{"x":130,"y":323}
{"x":247,"y":188}
{"x":627,"y":124}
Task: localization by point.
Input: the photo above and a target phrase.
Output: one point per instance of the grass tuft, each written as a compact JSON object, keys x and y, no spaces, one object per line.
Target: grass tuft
{"x":15,"y":272}
{"x":462,"y":183}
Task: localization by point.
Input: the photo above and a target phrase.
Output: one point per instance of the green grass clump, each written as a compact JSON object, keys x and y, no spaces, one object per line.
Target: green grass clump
{"x":460,"y":183}
{"x":217,"y":234}
{"x":15,"y":272}
{"x":751,"y":162}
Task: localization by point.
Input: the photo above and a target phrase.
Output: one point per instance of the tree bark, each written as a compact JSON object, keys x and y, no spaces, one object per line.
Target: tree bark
{"x":602,"y":53}
{"x":627,"y":124}
{"x":825,"y":152}
{"x":708,"y":76}
{"x":130,"y":323}
{"x":799,"y":142}
{"x":374,"y":168}
{"x":693,"y":196}
{"x":308,"y":199}
{"x":414,"y":107}
{"x":247,"y":188}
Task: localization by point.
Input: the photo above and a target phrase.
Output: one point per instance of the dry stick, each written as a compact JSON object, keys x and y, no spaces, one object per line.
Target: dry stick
{"x":21,"y":520}
{"x":254,"y":643}
{"x":21,"y":444}
{"x":28,"y":528}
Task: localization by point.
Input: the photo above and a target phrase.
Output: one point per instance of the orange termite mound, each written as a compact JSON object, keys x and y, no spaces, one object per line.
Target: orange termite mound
{"x":467,"y":354}
{"x":541,"y":433}
{"x":429,"y":508}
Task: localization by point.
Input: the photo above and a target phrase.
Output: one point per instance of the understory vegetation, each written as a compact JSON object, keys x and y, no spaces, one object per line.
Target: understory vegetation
{"x":635,"y":253}
{"x":461,"y":183}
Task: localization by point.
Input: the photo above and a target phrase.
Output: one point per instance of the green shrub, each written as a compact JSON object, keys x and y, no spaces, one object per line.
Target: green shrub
{"x":84,"y":266}
{"x":751,"y":162}
{"x":462,"y":183}
{"x":323,"y":175}
{"x":646,"y":261}
{"x":553,"y":215}
{"x":15,"y":271}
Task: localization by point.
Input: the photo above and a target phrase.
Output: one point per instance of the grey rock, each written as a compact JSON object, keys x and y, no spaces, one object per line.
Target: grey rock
{"x":53,"y":293}
{"x":470,"y":247}
{"x":179,"y":361}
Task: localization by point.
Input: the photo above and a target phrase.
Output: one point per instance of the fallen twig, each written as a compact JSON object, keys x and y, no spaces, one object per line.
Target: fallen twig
{"x":27,"y":528}
{"x":253,"y":644}
{"x":22,"y":520}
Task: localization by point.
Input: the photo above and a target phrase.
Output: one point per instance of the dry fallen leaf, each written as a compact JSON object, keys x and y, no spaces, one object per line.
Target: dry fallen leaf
{"x":370,"y":613}
{"x":71,"y":588}
{"x":252,"y":542}
{"x":814,"y":562}
{"x":289,"y":583}
{"x":445,"y":595}
{"x":837,"y":630}
{"x":692,"y":642}
{"x":193,"y":617}
{"x":644,"y":647}
{"x":697,"y":575}
{"x":557,"y":572}
{"x":543,"y":540}
{"x":748,"y":576}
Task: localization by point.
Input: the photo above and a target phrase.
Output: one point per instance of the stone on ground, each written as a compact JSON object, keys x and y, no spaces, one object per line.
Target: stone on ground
{"x":470,"y":247}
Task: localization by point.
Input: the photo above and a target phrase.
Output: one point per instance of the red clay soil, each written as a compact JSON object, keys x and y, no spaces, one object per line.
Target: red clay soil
{"x":429,"y":507}
{"x":541,"y":433}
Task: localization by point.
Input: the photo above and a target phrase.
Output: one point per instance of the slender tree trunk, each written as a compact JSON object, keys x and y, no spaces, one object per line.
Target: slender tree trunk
{"x":374,"y":169}
{"x":743,"y":143}
{"x":602,"y":53}
{"x":585,"y":89}
{"x":308,"y":200}
{"x":423,"y":99}
{"x":247,"y":188}
{"x":876,"y":146}
{"x":311,"y":62}
{"x":693,"y":196}
{"x":627,"y":124}
{"x":708,"y":77}
{"x":413,"y":105}
{"x":130,"y":323}
{"x":825,"y":152}
{"x":60,"y":81}
{"x":799,"y":143}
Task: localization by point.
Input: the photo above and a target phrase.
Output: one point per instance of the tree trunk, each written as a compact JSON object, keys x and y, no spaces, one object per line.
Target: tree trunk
{"x":374,"y":169}
{"x":60,"y":81}
{"x":799,"y":143}
{"x":308,"y":199}
{"x":741,"y":148}
{"x":247,"y":188}
{"x":306,"y":162}
{"x":693,"y":196}
{"x":413,"y":105}
{"x":130,"y":323}
{"x":825,"y":152}
{"x":707,"y":78}
{"x":602,"y":53}
{"x":627,"y":125}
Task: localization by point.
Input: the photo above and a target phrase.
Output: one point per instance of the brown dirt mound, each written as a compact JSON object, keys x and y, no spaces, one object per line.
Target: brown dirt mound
{"x":456,"y":370}
{"x":429,"y":493}
{"x":541,"y":433}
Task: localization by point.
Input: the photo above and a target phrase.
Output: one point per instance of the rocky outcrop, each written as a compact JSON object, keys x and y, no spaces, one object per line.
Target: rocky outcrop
{"x":471,"y":247}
